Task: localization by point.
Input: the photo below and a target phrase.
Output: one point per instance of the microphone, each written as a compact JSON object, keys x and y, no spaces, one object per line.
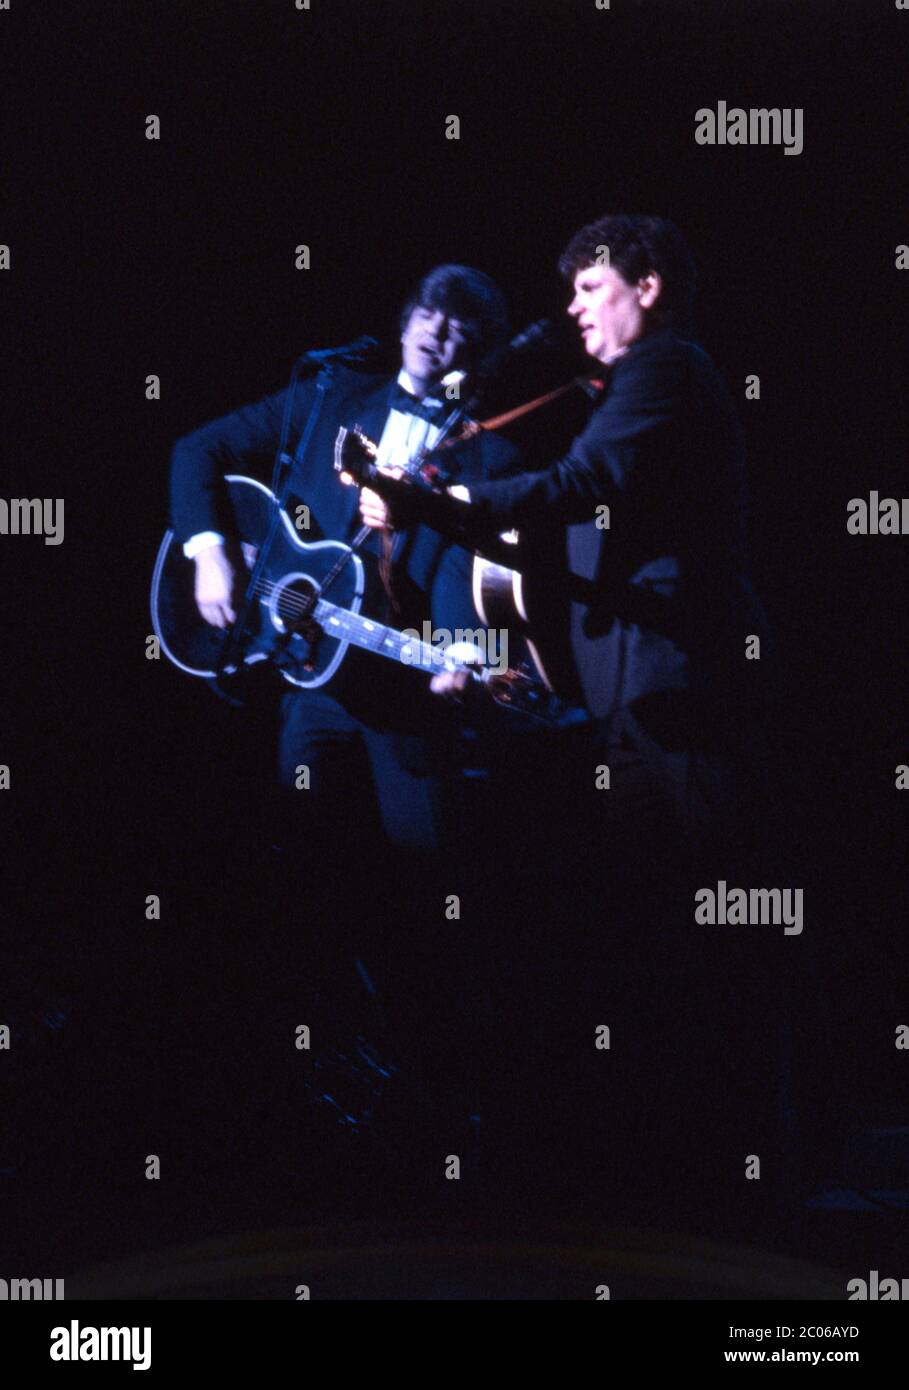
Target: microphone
{"x":535,"y":337}
{"x":541,"y":334}
{"x":356,"y":351}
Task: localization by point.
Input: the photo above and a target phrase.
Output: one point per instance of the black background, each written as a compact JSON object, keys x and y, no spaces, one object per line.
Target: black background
{"x":176,"y":257}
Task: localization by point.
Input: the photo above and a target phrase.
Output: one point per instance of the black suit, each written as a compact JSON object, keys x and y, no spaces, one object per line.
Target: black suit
{"x":659,"y":630}
{"x":671,"y":601}
{"x":372,"y":707}
{"x":660,"y":621}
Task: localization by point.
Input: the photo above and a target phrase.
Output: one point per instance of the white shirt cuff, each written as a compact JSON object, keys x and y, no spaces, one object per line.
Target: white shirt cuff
{"x":203,"y":541}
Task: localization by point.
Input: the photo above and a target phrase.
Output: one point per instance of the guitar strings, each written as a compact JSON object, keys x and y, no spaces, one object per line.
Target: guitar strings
{"x":264,"y":588}
{"x":295,"y":606}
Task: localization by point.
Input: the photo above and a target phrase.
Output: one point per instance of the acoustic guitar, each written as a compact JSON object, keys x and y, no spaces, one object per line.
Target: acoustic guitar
{"x":291,"y":623}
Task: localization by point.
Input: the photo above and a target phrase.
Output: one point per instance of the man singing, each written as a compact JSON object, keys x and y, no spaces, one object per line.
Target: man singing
{"x":664,"y":626}
{"x":653,"y":496}
{"x":374,"y":743}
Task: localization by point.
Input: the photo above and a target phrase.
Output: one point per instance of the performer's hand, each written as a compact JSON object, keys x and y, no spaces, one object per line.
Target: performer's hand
{"x":373,"y":510}
{"x":451,"y":685}
{"x":215,"y":586}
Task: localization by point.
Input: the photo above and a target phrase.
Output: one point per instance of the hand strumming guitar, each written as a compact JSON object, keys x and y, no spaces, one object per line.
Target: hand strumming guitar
{"x":214,"y":591}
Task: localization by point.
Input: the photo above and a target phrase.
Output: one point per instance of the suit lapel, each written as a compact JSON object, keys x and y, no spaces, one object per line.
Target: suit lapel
{"x":373,"y":410}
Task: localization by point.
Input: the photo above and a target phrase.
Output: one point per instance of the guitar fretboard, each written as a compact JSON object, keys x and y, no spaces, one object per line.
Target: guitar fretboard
{"x":376,"y":637}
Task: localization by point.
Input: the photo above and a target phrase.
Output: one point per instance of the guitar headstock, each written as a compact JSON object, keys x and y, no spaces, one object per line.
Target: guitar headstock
{"x":355,"y":455}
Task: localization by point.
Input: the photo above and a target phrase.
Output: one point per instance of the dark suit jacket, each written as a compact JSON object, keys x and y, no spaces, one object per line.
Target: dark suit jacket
{"x":432,"y":574}
{"x":668,"y":602}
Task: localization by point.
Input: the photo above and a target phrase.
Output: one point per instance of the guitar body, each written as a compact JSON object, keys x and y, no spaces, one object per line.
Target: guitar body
{"x":303,"y":613}
{"x":499,"y":598}
{"x":498,"y":590}
{"x":290,"y":581}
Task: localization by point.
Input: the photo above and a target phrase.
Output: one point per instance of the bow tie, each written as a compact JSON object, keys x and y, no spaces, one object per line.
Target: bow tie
{"x":427,"y":409}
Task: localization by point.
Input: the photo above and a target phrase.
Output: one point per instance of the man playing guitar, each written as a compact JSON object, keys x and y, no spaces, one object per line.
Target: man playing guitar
{"x":373,"y":738}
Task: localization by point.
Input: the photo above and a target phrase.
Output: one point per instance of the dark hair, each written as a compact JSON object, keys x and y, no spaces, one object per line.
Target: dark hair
{"x":637,"y":245}
{"x":467,"y":295}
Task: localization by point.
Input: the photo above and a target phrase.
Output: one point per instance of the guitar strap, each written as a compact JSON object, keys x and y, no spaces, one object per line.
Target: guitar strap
{"x":386,"y":571}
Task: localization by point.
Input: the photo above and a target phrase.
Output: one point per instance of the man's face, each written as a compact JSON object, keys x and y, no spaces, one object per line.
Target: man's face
{"x":433,"y":345}
{"x":611,"y":314}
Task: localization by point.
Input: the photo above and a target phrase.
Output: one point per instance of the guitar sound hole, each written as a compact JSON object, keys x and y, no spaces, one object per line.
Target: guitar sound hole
{"x":295,"y":603}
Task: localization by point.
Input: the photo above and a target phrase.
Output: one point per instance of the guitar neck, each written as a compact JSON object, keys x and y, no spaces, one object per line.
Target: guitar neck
{"x":364,"y":632}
